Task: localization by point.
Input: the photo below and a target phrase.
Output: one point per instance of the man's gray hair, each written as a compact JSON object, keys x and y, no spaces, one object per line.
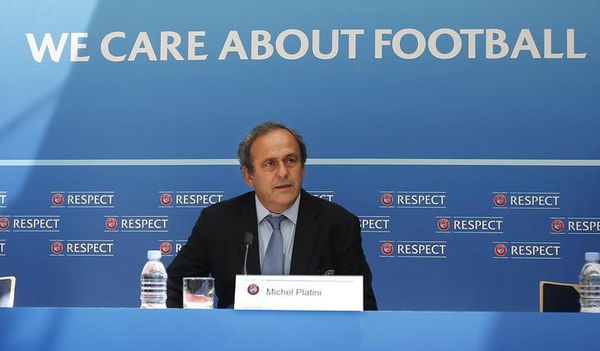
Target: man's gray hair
{"x":260,"y":130}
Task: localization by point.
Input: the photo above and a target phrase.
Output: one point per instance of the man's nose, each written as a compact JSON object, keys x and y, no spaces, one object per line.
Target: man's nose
{"x":282,"y":170}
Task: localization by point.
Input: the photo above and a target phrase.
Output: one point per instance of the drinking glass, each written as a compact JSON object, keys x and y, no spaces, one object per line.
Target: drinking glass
{"x":198,"y":293}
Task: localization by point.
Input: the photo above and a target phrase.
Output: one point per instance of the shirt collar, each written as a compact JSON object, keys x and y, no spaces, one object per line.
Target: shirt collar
{"x":291,"y":213}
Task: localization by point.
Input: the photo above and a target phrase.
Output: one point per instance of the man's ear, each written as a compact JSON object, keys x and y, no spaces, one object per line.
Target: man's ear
{"x":248,"y":177}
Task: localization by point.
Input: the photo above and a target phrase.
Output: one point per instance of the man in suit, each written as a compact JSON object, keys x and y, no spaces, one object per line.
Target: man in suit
{"x":297,"y":232}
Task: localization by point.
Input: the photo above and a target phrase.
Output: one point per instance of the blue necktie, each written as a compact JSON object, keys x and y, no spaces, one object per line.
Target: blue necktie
{"x":273,"y":260}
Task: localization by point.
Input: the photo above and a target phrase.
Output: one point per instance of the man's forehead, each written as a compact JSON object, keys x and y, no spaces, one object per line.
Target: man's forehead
{"x":271,"y":145}
{"x":272,"y":157}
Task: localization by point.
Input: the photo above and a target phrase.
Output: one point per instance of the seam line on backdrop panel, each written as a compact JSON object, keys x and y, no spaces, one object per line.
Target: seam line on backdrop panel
{"x":312,"y":161}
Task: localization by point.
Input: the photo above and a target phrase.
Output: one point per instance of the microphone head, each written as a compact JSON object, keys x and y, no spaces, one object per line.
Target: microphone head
{"x":248,"y":238}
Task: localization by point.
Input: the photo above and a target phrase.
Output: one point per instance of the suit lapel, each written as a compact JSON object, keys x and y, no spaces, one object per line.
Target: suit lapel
{"x":306,"y":233}
{"x":247,"y":215}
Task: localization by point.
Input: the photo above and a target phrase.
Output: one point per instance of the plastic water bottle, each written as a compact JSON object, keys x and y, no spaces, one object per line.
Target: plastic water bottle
{"x":154,"y":282}
{"x":589,"y":284}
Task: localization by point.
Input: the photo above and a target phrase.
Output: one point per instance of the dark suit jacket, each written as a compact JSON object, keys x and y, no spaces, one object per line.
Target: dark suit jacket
{"x":327,"y":238}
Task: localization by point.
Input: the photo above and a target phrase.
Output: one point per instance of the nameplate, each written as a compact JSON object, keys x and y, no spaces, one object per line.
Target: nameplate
{"x":299,"y":292}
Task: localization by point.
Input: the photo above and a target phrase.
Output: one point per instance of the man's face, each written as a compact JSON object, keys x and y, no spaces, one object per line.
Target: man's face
{"x":278,"y":170}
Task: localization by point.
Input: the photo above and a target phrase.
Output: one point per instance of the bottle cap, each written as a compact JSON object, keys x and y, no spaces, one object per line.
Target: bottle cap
{"x":592,"y":256}
{"x":156,"y":255}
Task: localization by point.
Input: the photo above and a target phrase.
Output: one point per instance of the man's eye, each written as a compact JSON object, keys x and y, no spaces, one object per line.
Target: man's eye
{"x":269,"y":164}
{"x":291,"y":161}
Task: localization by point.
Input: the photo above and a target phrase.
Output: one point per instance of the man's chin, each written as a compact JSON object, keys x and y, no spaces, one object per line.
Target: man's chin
{"x":286,"y":198}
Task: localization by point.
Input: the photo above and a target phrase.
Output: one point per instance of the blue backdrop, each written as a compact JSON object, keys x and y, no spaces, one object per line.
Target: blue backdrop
{"x":87,"y":144}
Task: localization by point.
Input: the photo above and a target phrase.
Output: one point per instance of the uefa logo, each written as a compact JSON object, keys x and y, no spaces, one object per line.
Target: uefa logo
{"x":387,"y":199}
{"x":387,"y":249}
{"x":253,"y":289}
{"x":58,"y":199}
{"x":166,"y":247}
{"x":4,"y":223}
{"x":500,"y":249}
{"x":166,"y":199}
{"x":56,"y":247}
{"x":443,"y":224}
{"x":499,"y":200}
{"x":111,"y":223}
{"x":557,"y":225}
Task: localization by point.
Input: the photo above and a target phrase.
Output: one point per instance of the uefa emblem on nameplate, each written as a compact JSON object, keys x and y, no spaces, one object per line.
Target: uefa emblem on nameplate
{"x":253,"y":289}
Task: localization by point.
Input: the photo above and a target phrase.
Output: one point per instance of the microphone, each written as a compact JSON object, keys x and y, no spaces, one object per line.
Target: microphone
{"x":248,"y":238}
